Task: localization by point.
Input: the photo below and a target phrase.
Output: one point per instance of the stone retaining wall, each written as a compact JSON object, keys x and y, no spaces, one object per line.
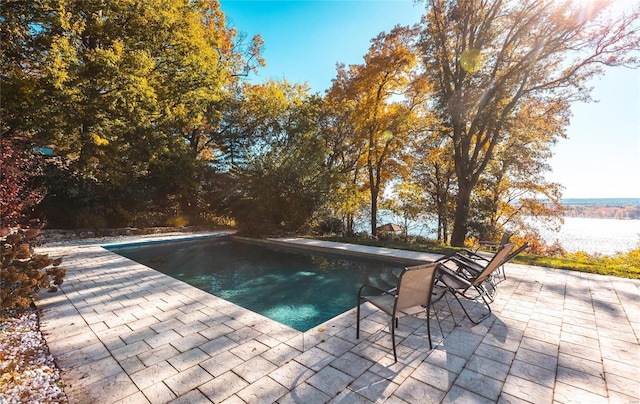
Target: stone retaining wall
{"x":56,"y":235}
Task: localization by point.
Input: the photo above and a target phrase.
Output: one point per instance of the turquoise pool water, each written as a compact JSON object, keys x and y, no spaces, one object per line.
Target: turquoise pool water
{"x":301,"y":290}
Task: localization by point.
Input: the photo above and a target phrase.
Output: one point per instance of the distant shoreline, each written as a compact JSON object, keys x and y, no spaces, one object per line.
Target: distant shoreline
{"x":601,"y":208}
{"x":621,"y":202}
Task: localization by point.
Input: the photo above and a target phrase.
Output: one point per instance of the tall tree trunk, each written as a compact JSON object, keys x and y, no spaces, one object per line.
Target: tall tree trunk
{"x":462,"y":214}
{"x":374,"y":212}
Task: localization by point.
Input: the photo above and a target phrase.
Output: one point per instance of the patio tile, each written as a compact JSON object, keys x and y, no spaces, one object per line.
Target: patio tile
{"x":130,"y":350}
{"x":461,"y":343}
{"x":330,"y":380}
{"x":594,"y":384}
{"x":162,"y":338}
{"x":398,"y":372}
{"x":527,"y":390}
{"x":536,"y":358}
{"x":136,"y":398}
{"x":352,"y":364}
{"x":187,"y":380}
{"x":190,"y":328}
{"x":625,"y":369}
{"x":60,"y":345}
{"x":254,"y":369}
{"x":587,"y":366}
{"x":223,"y":387}
{"x":485,"y":386}
{"x":186,"y":343}
{"x":533,"y":373}
{"x":93,"y":372}
{"x":215,"y":331}
{"x":620,"y":350}
{"x":495,"y":353}
{"x":315,"y":359}
{"x":336,"y":346}
{"x":249,"y":349}
{"x":193,"y":396}
{"x":243,"y":334}
{"x":188,"y":359}
{"x":82,"y":356}
{"x":264,"y":390}
{"x":373,"y":387}
{"x":459,"y":395}
{"x":304,"y":393}
{"x":221,"y":363}
{"x":280,"y":354}
{"x":218,"y":345}
{"x":112,"y":389}
{"x":131,"y":365}
{"x":153,"y":374}
{"x":291,"y":374}
{"x":415,"y":391}
{"x":589,"y":332}
{"x":434,"y":375}
{"x":446,"y":360}
{"x":582,"y":351}
{"x":540,"y":346}
{"x":624,"y":385}
{"x":488,"y":367}
{"x":566,"y":393}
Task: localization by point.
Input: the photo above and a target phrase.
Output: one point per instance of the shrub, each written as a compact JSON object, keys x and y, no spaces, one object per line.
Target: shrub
{"x":23,"y":272}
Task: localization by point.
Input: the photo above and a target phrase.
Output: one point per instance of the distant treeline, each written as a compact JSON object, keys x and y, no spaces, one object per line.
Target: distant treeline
{"x":602,"y":211}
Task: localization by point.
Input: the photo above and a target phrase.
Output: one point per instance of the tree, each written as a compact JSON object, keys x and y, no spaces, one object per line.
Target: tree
{"x":434,"y":173}
{"x":513,"y":182}
{"x":284,"y":180}
{"x":380,"y":118}
{"x":408,"y":204}
{"x":487,"y":59}
{"x":121,"y":89}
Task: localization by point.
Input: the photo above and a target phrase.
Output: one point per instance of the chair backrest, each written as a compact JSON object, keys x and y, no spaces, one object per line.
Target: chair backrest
{"x":495,"y":262}
{"x":515,"y":252}
{"x":415,"y":285}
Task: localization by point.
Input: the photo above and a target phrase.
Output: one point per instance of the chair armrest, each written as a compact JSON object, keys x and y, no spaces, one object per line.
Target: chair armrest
{"x":382,"y":291}
{"x":472,"y":254}
{"x":452,"y":279}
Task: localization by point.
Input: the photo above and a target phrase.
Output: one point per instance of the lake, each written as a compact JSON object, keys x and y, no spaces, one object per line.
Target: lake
{"x":602,"y":236}
{"x":591,"y":235}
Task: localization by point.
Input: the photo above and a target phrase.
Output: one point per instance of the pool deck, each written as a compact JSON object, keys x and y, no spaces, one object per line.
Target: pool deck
{"x":122,"y":332}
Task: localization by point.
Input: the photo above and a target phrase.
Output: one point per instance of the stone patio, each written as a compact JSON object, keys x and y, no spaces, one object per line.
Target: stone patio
{"x":122,"y":332}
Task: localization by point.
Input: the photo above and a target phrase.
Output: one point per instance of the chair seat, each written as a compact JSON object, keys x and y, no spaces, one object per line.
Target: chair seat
{"x":411,"y":296}
{"x":386,"y":302}
{"x":453,"y":280}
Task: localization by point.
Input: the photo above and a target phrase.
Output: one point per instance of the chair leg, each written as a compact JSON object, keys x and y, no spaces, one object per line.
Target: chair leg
{"x":393,"y":340}
{"x":358,"y":319}
{"x":482,"y":318}
{"x":429,"y":330}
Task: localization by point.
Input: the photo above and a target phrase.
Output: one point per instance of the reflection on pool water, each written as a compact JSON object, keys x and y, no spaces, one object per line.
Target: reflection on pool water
{"x":298,"y":289}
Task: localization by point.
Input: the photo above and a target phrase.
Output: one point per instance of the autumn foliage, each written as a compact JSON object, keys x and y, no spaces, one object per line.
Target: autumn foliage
{"x":23,"y":272}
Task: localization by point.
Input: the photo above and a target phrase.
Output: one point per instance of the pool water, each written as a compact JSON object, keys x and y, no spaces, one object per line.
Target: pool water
{"x":301,"y":290}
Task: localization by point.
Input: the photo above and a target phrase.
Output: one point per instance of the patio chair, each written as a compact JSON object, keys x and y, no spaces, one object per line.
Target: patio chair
{"x":482,"y":260}
{"x":411,"y":296}
{"x":461,"y":277}
{"x":494,"y":247}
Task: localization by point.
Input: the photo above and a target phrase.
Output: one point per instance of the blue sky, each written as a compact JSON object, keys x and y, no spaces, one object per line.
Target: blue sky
{"x":305,"y":39}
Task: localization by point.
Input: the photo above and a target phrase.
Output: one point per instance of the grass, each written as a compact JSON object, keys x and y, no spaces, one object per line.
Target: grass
{"x":624,"y":265}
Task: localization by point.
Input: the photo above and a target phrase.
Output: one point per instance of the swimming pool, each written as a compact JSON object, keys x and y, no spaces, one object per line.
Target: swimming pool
{"x":299,"y":289}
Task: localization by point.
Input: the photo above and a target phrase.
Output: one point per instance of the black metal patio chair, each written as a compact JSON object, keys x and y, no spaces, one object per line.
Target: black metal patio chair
{"x":469,"y":280}
{"x":411,"y":296}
